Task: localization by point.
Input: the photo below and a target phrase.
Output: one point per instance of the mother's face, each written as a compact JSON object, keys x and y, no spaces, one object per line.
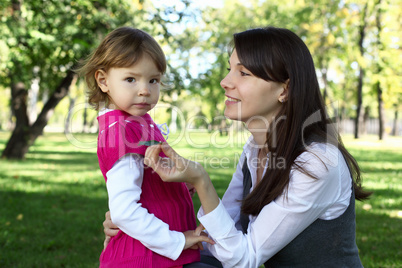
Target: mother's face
{"x":250,"y":98}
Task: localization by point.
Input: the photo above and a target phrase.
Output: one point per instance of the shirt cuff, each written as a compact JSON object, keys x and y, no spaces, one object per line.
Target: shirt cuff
{"x":179,"y":249}
{"x":218,"y":222}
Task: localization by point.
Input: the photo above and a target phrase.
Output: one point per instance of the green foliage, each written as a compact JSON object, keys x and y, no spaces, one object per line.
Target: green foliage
{"x":53,"y":203}
{"x":43,"y":39}
{"x":46,"y":38}
{"x":330,"y":30}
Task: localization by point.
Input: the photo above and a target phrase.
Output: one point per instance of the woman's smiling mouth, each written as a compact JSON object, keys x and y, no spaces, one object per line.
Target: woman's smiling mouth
{"x":231,"y":100}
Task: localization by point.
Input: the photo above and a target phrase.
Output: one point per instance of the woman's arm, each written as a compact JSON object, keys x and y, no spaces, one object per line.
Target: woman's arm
{"x":280,"y":221}
{"x":277,"y":224}
{"x":109,"y":228}
{"x":124,"y":191}
{"x":178,"y":169}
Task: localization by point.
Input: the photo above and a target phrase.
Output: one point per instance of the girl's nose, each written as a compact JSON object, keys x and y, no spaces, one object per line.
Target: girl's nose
{"x":144,"y":91}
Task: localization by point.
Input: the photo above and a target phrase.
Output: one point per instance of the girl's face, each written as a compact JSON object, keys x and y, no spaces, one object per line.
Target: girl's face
{"x":249,"y":98}
{"x":133,"y":89}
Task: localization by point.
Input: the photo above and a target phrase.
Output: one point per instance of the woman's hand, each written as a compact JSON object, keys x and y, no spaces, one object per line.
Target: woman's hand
{"x":195,"y":238}
{"x":191,"y":189}
{"x":174,"y":168}
{"x":109,"y":229}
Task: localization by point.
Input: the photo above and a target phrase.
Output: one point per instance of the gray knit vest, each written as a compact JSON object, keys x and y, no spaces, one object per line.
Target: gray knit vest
{"x":325,"y":243}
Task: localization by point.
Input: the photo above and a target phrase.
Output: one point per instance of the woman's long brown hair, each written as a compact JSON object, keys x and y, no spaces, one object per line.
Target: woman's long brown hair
{"x":276,"y":54}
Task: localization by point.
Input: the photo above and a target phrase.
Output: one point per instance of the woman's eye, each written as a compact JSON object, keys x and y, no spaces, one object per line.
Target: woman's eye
{"x":130,"y":79}
{"x":244,"y":74}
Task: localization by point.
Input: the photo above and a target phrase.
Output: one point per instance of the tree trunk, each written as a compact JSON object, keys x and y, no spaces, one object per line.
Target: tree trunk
{"x":16,"y":146}
{"x":379,"y":69}
{"x":395,"y":124}
{"x":24,"y":135}
{"x":366,"y":117}
{"x":85,"y":121}
{"x":69,"y":114}
{"x":380,"y":111}
{"x":359,"y":114}
{"x":325,"y":81}
{"x":47,"y":111}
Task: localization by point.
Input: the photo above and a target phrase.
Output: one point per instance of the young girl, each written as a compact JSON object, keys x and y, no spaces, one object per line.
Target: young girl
{"x":291,"y":201}
{"x":124,"y":76}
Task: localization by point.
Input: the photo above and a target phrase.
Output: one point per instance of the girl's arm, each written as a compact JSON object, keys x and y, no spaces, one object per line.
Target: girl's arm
{"x":124,"y":182}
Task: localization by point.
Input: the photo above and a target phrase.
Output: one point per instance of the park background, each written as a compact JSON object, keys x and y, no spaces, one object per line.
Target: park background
{"x":52,"y":194}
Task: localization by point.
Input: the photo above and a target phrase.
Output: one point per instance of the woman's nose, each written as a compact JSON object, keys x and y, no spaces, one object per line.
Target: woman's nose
{"x":225,"y":83}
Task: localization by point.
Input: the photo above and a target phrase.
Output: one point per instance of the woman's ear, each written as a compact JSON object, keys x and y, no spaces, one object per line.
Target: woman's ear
{"x":101,"y":80}
{"x":284,"y":95}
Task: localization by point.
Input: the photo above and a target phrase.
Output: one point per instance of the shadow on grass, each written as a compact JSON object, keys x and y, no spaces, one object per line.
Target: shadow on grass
{"x":48,"y":160}
{"x":378,"y":239}
{"x":380,"y":170}
{"x":389,"y":199}
{"x":377,"y":156}
{"x":85,"y":187}
{"x":55,"y":229}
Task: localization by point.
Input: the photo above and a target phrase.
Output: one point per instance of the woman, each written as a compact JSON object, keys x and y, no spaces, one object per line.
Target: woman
{"x":291,"y":200}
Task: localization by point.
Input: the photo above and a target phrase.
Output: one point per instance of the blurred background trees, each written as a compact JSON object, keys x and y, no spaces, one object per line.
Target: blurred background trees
{"x":356,"y":47}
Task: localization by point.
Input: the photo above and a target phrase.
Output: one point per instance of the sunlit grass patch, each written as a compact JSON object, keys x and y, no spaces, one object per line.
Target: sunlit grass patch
{"x":53,"y":202}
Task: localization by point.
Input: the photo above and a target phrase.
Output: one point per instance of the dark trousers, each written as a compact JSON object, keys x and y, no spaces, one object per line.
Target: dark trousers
{"x":206,"y":262}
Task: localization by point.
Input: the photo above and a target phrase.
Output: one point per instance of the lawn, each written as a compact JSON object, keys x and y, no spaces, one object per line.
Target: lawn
{"x":53,"y":202}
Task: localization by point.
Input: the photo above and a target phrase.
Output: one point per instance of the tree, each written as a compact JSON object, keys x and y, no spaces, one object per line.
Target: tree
{"x":53,"y":42}
{"x":216,"y":30}
{"x":386,"y":55}
{"x":60,"y":34}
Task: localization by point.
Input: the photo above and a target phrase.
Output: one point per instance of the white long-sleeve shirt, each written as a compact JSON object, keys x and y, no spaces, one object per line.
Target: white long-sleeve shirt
{"x":123,"y":185}
{"x":282,"y":220}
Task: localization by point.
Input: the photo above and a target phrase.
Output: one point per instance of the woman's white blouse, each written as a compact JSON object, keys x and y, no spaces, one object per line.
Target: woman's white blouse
{"x":282,"y":220}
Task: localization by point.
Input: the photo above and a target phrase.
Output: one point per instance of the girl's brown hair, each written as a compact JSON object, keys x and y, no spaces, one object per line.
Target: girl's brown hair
{"x":121,"y":48}
{"x":276,"y":54}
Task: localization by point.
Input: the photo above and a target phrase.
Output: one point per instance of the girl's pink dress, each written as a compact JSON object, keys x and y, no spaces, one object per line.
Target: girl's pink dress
{"x":119,"y":134}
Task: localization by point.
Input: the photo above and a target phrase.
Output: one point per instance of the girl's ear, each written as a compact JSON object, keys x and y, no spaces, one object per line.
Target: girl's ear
{"x":284,"y":95}
{"x":101,"y":80}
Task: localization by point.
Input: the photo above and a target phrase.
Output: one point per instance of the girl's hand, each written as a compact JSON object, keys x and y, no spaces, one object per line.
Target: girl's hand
{"x":174,"y":168}
{"x":195,"y":238}
{"x":110,"y":229}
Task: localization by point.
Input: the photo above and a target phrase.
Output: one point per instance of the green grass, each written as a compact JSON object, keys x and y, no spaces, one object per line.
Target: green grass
{"x":53,"y":202}
{"x":379,"y":220}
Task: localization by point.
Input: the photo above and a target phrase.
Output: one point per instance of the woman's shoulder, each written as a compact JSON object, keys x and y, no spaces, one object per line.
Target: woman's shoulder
{"x":319,"y":151}
{"x":321,"y":160}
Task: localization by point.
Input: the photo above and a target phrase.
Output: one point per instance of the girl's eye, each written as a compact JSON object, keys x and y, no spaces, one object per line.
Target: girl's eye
{"x":154,"y":81}
{"x":228,"y":69}
{"x":130,"y":79}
